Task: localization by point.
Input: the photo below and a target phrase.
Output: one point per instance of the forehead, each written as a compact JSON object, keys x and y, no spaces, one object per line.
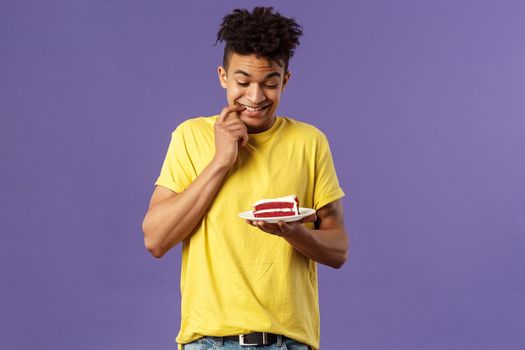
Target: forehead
{"x":253,"y":65}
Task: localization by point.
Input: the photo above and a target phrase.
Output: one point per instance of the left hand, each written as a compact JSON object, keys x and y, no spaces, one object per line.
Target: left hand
{"x":282,"y":228}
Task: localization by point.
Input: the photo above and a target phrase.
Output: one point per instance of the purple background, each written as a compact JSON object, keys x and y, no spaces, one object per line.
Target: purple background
{"x":423,"y":102}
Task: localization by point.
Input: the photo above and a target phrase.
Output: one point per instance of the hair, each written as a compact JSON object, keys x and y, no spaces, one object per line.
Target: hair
{"x":263,"y":32}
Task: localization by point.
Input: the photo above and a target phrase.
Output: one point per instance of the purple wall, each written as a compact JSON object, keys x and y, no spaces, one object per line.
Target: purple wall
{"x":423,"y":102}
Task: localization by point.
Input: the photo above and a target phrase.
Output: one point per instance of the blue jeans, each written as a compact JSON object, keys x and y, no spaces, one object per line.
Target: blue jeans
{"x":217,"y":343}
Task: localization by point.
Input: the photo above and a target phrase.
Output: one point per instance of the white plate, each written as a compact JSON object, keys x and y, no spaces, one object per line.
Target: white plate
{"x":304,"y":213}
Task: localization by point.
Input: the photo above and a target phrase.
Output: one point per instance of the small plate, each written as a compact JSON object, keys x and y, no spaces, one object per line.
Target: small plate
{"x":248,"y":215}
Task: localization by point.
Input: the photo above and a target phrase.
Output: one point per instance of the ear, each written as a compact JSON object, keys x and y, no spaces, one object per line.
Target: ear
{"x":223,"y":77}
{"x":286,"y":78}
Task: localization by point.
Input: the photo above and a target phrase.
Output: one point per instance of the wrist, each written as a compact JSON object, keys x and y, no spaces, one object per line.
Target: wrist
{"x":219,"y":165}
{"x":297,"y":233}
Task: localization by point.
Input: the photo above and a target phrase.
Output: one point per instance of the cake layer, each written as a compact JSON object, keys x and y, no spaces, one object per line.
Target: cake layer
{"x":274,"y":214}
{"x":274,"y":205}
{"x":274,"y":210}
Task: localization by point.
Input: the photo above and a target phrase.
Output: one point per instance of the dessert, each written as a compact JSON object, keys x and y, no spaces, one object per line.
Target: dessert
{"x":275,"y":207}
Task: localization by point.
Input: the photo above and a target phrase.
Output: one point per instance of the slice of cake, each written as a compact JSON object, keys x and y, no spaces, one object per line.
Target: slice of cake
{"x":283,"y":206}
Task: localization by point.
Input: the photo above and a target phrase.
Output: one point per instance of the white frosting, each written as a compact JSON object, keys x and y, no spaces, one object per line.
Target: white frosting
{"x":288,"y":199}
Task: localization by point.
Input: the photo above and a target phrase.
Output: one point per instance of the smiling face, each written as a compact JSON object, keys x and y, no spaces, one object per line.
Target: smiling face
{"x":256,"y":84}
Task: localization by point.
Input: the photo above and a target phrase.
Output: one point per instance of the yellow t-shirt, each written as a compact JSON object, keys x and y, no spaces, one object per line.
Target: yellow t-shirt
{"x":236,"y":278}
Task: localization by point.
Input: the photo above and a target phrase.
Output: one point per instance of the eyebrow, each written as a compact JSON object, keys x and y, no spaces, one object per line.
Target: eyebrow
{"x":269,"y":75}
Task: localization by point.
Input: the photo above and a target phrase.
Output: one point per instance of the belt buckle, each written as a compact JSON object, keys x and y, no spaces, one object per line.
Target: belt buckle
{"x":242,"y":343}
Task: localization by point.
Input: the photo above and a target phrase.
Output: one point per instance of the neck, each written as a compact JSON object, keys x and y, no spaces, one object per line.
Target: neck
{"x":266,"y":126}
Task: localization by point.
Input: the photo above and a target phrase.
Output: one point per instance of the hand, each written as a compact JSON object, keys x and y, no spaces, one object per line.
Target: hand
{"x":282,"y":228}
{"x":230,"y":133}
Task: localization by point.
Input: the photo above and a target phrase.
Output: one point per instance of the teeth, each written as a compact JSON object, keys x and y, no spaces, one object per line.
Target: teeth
{"x":251,"y":109}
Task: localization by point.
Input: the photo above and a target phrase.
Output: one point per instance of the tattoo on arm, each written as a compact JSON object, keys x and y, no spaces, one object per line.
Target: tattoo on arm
{"x":333,"y":210}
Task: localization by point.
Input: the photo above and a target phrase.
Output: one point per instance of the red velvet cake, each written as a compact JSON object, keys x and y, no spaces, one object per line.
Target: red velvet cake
{"x":283,"y":206}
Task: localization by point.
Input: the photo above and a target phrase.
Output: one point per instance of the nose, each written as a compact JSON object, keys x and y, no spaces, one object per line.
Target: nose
{"x":255,"y":94}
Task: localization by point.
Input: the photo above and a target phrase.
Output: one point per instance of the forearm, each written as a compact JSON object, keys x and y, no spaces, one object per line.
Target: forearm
{"x":172,"y":220}
{"x":328,"y":246}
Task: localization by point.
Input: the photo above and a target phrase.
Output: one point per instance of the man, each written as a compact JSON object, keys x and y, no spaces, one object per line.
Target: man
{"x":248,"y":283}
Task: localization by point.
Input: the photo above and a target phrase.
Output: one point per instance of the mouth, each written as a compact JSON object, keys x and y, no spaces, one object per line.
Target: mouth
{"x":254,"y":109}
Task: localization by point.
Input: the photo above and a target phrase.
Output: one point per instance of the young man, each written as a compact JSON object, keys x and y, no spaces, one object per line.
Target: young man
{"x":248,"y":283}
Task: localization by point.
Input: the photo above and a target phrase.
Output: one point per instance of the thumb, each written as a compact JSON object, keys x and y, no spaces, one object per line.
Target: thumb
{"x":283,"y":226}
{"x":309,"y":218}
{"x":245,"y":140}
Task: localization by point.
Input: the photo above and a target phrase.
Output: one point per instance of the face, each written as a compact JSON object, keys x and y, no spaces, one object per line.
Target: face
{"x":256,"y":84}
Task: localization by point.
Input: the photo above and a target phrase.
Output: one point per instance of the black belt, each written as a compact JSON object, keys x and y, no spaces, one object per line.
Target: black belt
{"x":253,"y":339}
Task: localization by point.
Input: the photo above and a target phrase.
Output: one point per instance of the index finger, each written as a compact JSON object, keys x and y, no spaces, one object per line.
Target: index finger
{"x":309,"y":218}
{"x":225,"y":113}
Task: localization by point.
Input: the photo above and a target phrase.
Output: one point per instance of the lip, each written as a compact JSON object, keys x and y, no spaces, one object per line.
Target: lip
{"x":255,"y":114}
{"x":262,"y":107}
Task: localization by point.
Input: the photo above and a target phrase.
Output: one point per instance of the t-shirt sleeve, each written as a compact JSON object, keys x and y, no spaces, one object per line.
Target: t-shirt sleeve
{"x":326,"y":187}
{"x":176,"y":171}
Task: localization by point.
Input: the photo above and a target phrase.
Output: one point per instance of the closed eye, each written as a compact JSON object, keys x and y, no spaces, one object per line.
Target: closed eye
{"x":268,"y":86}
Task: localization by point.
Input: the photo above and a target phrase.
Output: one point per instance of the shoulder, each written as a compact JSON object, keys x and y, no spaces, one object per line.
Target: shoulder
{"x":194,"y":128}
{"x":303,"y":130}
{"x":196,"y":124}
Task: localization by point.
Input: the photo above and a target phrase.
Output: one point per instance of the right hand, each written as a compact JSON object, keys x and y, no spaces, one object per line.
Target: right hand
{"x":230,"y":133}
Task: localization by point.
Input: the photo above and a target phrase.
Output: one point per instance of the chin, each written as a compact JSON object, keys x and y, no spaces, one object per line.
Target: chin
{"x":251,"y":121}
{"x":255,"y":121}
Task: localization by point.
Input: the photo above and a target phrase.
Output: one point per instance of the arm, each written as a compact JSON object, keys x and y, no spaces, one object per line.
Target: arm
{"x":171,"y":217}
{"x":327,"y":244}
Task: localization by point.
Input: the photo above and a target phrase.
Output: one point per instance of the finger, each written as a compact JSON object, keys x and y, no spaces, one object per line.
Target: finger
{"x":233,"y":121}
{"x":237,"y":124}
{"x":244,"y":135}
{"x":242,"y":131}
{"x":309,"y":218}
{"x":240,"y":136}
{"x":283,"y":226}
{"x":228,"y":127}
{"x":234,"y":114}
{"x":264,"y":226}
{"x":270,"y":228}
{"x":234,"y":124}
{"x":237,"y":135}
{"x":234,"y":127}
{"x":227,"y":111}
{"x":245,"y":140}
